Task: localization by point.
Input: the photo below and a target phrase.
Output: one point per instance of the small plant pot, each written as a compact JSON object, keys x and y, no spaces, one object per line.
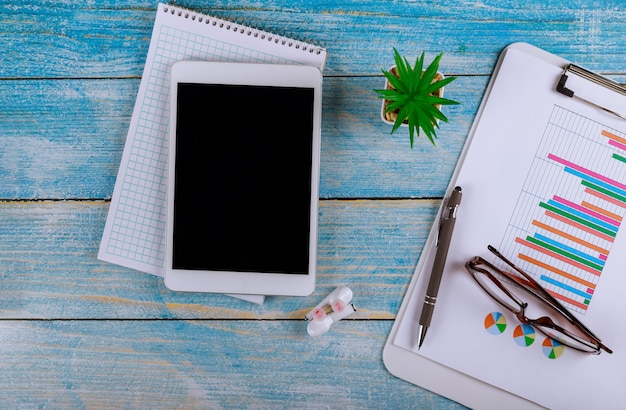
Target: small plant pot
{"x":390,"y":117}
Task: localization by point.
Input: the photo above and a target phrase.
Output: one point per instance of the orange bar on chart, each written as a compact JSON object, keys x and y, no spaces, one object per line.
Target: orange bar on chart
{"x":570,"y":237}
{"x":614,"y":137}
{"x":556,"y":270}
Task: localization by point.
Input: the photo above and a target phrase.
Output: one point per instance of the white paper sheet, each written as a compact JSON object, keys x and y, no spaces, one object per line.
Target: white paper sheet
{"x":528,"y":135}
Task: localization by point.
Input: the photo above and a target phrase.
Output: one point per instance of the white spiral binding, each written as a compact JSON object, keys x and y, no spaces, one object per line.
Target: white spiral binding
{"x":241,"y":29}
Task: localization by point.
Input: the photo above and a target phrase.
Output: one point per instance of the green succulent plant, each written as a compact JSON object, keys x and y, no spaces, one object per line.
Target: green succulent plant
{"x":413,"y":96}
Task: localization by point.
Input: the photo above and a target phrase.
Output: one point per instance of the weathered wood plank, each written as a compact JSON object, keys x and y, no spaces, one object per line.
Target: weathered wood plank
{"x":49,"y":266}
{"x":110,"y":38}
{"x":200,"y":364}
{"x":360,"y":159}
{"x":63,"y":139}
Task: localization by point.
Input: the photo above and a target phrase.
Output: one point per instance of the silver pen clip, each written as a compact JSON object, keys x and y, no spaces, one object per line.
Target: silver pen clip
{"x":448,"y":210}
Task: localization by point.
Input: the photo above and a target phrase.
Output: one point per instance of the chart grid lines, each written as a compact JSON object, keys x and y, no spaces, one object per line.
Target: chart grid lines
{"x":571,"y":207}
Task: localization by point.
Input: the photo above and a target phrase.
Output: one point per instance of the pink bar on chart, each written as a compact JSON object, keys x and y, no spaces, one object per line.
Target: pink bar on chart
{"x":586,"y":171}
{"x":586,"y":211}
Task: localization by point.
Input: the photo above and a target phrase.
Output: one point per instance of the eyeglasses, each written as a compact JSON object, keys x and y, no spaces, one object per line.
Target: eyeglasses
{"x":564,"y":327}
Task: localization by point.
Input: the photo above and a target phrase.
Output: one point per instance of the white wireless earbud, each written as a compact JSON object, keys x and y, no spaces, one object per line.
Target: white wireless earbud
{"x":337,"y":301}
{"x":319,"y":327}
{"x":333,"y":308}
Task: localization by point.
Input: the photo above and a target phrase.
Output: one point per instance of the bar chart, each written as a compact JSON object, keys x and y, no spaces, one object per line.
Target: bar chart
{"x":570,"y":208}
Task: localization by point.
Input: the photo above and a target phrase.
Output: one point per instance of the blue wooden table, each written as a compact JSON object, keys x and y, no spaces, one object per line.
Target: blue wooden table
{"x":79,"y":333}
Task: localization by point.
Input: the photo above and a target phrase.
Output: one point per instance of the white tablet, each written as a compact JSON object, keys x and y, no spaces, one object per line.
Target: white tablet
{"x":243,"y":178}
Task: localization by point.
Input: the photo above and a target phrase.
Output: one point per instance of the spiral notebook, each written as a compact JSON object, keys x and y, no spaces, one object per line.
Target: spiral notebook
{"x":134,"y":234}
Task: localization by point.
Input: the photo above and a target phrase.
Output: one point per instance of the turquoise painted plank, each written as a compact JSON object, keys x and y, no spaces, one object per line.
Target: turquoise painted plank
{"x":200,"y":364}
{"x":63,"y":139}
{"x":45,"y":39}
{"x":74,"y":39}
{"x":49,"y":267}
{"x":361,"y":159}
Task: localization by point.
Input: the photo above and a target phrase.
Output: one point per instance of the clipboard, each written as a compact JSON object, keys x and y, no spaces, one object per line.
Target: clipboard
{"x":570,"y":85}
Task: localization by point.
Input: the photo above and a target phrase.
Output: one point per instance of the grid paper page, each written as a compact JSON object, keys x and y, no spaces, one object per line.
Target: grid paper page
{"x":135,"y":230}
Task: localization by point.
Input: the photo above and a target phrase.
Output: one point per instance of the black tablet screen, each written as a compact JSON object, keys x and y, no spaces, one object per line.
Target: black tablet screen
{"x":242,"y":189}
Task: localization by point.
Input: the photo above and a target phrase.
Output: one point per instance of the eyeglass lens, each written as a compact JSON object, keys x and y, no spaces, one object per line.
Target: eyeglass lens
{"x":516,"y":299}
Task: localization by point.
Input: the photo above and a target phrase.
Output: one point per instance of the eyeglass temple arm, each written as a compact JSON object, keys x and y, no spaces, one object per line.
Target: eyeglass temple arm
{"x":548,"y":322}
{"x":549,"y":297}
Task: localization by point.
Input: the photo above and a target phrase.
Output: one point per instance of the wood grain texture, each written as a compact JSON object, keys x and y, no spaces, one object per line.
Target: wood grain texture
{"x":50,"y":271}
{"x":200,"y":364}
{"x":110,"y":38}
{"x":63,"y":139}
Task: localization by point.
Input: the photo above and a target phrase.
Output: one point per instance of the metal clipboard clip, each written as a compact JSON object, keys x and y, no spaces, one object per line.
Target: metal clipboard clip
{"x":593,"y":77}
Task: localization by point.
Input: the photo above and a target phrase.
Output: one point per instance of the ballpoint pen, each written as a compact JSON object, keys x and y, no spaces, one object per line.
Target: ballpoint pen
{"x":446,"y":226}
